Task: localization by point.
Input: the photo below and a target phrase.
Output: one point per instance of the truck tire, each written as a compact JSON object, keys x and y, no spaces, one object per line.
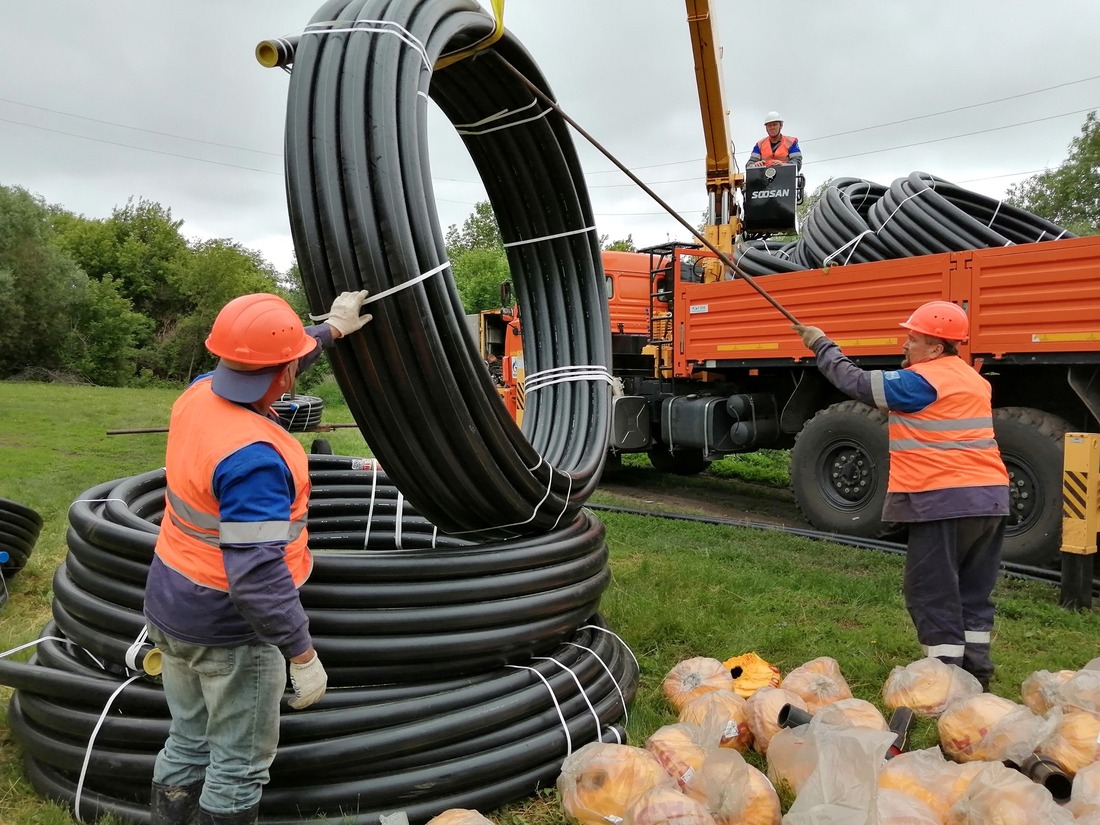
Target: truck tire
{"x":1032,"y":448}
{"x":320,"y":446}
{"x":679,"y":462}
{"x":840,"y":464}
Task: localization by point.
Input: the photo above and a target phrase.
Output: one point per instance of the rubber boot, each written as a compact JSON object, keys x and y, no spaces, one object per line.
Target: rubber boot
{"x":175,"y":804}
{"x":248,"y":817}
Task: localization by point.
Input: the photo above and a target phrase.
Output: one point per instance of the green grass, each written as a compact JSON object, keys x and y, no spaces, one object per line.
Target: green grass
{"x":679,"y":589}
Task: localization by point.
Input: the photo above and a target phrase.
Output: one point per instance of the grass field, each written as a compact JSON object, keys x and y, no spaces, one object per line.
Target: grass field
{"x":678,"y":589}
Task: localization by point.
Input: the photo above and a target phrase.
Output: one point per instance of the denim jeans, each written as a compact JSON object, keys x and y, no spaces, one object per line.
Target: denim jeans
{"x":225,"y":719}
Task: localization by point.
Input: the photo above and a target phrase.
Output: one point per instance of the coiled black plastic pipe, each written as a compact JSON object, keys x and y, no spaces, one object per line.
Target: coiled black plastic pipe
{"x":362,"y":215}
{"x":857,"y":221}
{"x":19,"y":530}
{"x":462,"y":674}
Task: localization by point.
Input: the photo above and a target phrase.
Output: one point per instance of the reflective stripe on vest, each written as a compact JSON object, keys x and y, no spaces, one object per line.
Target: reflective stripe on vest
{"x":950,"y":442}
{"x":781,"y":153}
{"x":204,"y":429}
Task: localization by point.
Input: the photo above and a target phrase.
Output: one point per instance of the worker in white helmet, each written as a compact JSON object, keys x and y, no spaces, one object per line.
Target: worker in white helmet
{"x":777,"y":147}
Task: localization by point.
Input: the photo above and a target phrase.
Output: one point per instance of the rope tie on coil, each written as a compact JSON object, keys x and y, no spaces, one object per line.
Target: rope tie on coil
{"x":466,"y":128}
{"x":580,"y":688}
{"x":550,"y":237}
{"x":995,"y":213}
{"x":33,"y":642}
{"x":378,"y":296}
{"x":557,"y":706}
{"x":614,"y":681}
{"x":91,"y":744}
{"x":370,"y":507}
{"x":538,"y":506}
{"x":371,"y":27}
{"x":134,"y":649}
{"x":899,"y":206}
{"x":618,"y":638}
{"x":853,"y":243}
{"x":559,"y":375}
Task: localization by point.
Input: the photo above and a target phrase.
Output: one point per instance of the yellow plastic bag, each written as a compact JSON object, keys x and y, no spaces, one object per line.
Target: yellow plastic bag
{"x":750,"y":673}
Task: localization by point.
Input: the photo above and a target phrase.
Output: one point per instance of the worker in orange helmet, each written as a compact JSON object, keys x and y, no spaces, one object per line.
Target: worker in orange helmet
{"x":221,"y":599}
{"x":947,"y":480}
{"x":776,"y":147}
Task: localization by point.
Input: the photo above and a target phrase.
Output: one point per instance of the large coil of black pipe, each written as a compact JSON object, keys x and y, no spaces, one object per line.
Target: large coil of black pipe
{"x":858,"y":221}
{"x":461,"y":673}
{"x":363,"y":217}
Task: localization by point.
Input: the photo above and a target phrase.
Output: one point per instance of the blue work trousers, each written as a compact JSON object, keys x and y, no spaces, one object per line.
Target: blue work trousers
{"x":225,"y":719}
{"x":951,"y":567}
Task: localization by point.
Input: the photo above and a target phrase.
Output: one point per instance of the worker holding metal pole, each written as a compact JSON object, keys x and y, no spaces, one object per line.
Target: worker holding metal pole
{"x":947,"y":480}
{"x":221,"y":599}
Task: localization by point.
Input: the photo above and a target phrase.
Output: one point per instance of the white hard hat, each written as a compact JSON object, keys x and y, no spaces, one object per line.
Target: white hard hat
{"x":771,"y":117}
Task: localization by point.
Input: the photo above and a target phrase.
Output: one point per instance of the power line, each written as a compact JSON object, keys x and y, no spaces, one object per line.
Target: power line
{"x":951,"y":111}
{"x":871,"y":151}
{"x":139,"y":148}
{"x":139,"y":129}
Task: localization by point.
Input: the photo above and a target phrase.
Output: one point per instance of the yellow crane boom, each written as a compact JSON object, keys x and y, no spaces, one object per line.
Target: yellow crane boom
{"x":723,"y":224}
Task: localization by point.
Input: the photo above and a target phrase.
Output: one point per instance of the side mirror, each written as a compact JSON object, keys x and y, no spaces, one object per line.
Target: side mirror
{"x":506,"y":293}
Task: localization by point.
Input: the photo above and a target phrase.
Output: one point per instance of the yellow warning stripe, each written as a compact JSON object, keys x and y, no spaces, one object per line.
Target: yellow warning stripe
{"x":746,"y":347}
{"x":1043,"y":337}
{"x":1074,"y":500}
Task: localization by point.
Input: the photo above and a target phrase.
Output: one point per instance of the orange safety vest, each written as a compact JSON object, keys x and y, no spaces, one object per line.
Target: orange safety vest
{"x":950,"y":442}
{"x":204,"y":429}
{"x":781,"y":154}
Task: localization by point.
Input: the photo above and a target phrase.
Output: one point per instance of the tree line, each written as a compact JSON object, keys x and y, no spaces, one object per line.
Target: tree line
{"x":128,"y":301}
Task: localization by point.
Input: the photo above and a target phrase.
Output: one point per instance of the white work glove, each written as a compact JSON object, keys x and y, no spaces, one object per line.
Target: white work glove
{"x":344,"y":315}
{"x":810,"y":335}
{"x":309,"y":682}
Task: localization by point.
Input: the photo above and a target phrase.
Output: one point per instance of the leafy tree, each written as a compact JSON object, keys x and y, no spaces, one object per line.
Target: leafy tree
{"x":39,"y":286}
{"x":102,"y":342}
{"x":622,"y":245}
{"x":138,"y":245}
{"x":478,"y":259}
{"x":478,"y":275}
{"x":1070,"y":194}
{"x":211,"y":274}
{"x":479,"y":231}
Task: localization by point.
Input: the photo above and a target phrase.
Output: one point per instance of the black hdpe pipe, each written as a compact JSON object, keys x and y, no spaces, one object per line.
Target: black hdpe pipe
{"x":428,"y":739}
{"x":858,"y":221}
{"x":901,"y":724}
{"x":1047,"y":773}
{"x":362,"y":215}
{"x":19,"y":529}
{"x":369,"y":600}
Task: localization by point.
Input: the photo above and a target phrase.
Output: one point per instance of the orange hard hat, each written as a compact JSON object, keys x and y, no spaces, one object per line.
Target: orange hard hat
{"x":940,"y":319}
{"x":260,"y":330}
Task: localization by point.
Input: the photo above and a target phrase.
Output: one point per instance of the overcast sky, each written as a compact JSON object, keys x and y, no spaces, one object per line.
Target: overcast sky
{"x":103,"y":100}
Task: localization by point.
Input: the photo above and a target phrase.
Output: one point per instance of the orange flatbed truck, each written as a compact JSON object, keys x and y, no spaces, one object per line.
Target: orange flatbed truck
{"x":719,"y":371}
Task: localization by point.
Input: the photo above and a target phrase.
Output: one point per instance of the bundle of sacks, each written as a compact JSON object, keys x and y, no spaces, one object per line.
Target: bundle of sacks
{"x":838,"y":765}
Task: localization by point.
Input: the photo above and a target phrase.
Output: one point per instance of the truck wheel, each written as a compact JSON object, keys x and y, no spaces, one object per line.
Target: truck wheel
{"x":1032,"y":448}
{"x":679,"y":462}
{"x":839,"y":468}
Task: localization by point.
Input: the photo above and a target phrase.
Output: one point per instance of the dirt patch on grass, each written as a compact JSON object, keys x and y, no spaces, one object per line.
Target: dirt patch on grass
{"x":701,"y":495}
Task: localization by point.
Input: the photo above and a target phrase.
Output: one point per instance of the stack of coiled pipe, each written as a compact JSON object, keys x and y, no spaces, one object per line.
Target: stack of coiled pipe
{"x":858,"y":221}
{"x":462,"y":673}
{"x":19,"y":529}
{"x":363,"y":217}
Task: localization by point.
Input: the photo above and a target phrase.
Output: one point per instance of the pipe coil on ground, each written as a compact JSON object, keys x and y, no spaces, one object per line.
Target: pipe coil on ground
{"x":299,"y":413}
{"x":19,"y":529}
{"x":487,"y":662}
{"x":363,"y":217}
{"x":858,"y":221}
